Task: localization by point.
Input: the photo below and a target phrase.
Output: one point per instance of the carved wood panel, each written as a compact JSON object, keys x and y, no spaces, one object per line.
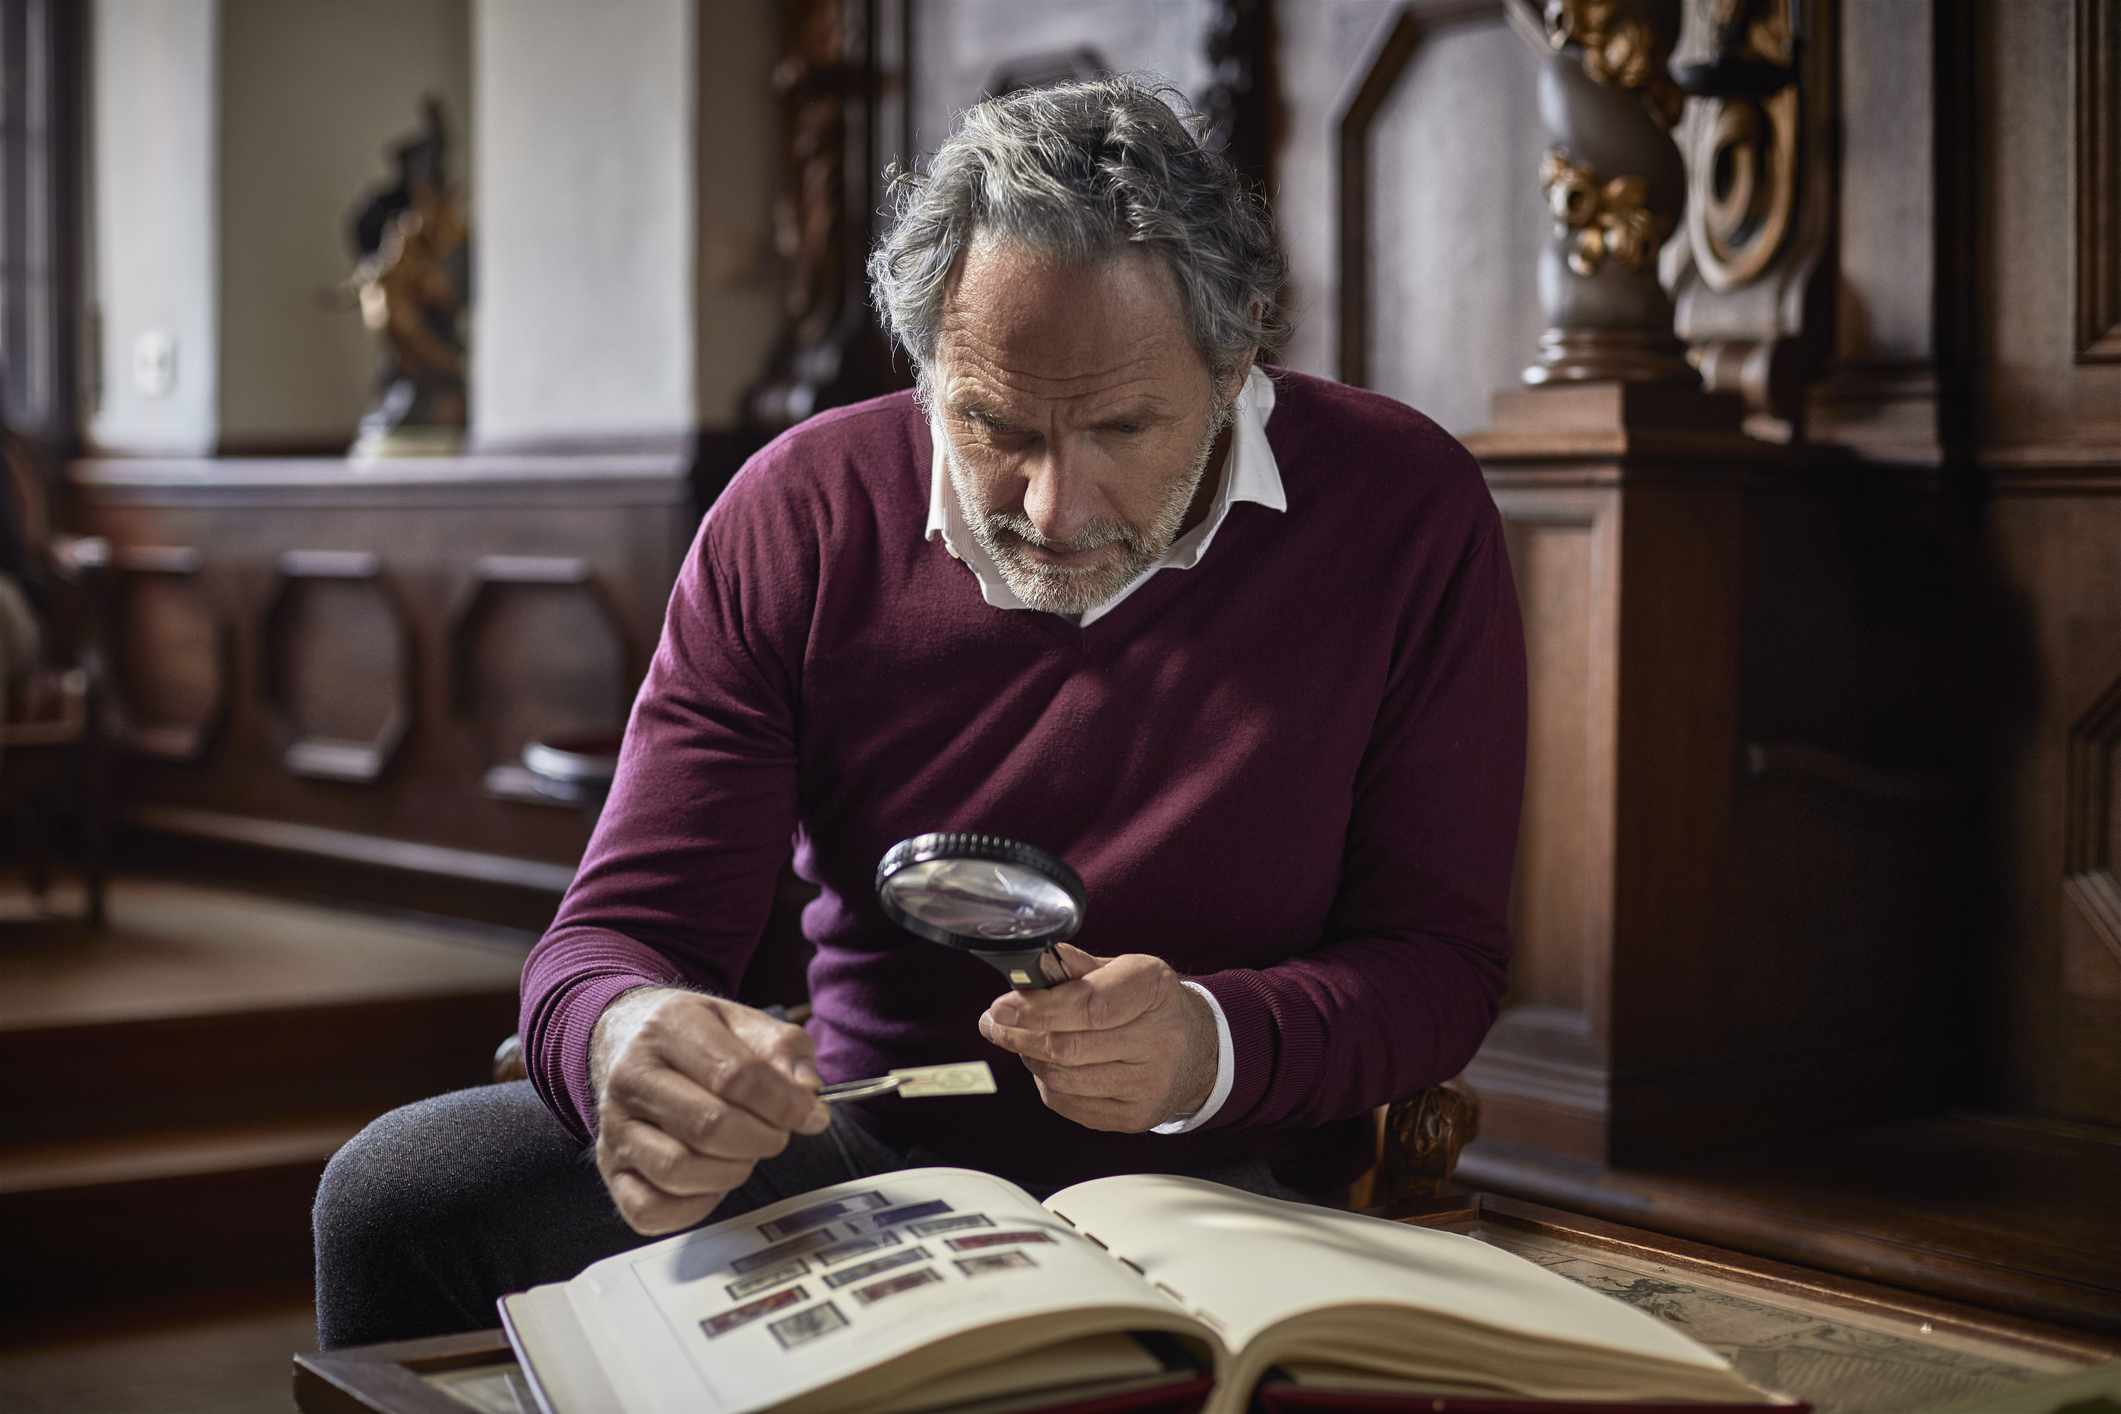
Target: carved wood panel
{"x":336,"y":665}
{"x":1547,"y":1052}
{"x":1560,"y":910}
{"x":2098,"y":181}
{"x":2054,"y":958}
{"x":342,"y":662}
{"x":2092,"y":955}
{"x":173,"y":654}
{"x":506,"y":682}
{"x":1439,"y":239}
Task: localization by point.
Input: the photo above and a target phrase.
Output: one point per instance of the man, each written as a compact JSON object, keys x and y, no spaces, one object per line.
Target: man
{"x":1241,"y":647}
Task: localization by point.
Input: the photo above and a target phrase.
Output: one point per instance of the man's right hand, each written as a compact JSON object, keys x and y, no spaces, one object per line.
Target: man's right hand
{"x":692,"y":1091}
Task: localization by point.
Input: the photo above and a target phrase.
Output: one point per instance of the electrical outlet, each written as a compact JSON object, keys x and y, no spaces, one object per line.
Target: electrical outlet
{"x":155,"y":363}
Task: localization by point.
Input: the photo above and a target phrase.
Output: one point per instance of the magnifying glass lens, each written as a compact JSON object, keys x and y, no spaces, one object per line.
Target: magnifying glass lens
{"x":976,"y":898}
{"x":1003,"y":901}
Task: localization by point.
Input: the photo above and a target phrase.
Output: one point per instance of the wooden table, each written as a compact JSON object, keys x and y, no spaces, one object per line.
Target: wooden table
{"x":1847,"y":1347}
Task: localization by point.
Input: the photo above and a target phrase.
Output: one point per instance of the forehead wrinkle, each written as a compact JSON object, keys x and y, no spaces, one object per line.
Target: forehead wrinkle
{"x":985,"y":376}
{"x":975,"y":394}
{"x":995,"y":356}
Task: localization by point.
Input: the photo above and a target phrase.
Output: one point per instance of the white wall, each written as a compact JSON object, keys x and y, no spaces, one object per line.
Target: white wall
{"x":619,"y":160}
{"x":584,"y":319}
{"x":152,"y":155}
{"x":313,"y":92}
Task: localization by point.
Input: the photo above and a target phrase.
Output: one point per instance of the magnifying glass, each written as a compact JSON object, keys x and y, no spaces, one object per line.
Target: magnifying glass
{"x":1003,"y":901}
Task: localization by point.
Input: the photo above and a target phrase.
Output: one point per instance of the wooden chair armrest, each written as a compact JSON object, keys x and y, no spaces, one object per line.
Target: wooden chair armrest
{"x":508,"y":1060}
{"x":1419,"y":1139}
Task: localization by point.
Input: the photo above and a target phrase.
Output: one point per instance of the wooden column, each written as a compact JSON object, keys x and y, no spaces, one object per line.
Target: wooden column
{"x":1701,"y":958}
{"x":1623,"y":504}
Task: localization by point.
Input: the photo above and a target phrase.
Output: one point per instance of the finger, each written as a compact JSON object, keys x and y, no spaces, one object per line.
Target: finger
{"x":667,"y":1163}
{"x":1116,"y":992}
{"x":788,"y":1047}
{"x":706,"y":1123}
{"x":1112,"y":1080}
{"x":1060,"y":1047}
{"x":1074,"y":963}
{"x":649,"y":1211}
{"x":722,"y":1064}
{"x":1078,"y":962}
{"x":1112,"y":1116}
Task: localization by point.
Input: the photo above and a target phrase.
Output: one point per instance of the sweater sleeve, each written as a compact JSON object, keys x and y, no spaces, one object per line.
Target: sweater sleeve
{"x":678,"y":878}
{"x":1409,"y":973}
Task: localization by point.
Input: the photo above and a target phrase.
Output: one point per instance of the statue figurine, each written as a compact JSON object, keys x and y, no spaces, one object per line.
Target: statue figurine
{"x":414,"y":280}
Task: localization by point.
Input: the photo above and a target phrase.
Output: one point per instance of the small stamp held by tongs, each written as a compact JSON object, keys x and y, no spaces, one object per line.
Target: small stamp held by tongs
{"x":916,"y":1082}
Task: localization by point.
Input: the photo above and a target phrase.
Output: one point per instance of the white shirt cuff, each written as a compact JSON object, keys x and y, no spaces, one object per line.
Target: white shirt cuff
{"x":1225,"y":1072}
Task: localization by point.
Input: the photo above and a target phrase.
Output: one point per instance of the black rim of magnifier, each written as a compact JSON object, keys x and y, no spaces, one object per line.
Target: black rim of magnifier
{"x":994,"y":849}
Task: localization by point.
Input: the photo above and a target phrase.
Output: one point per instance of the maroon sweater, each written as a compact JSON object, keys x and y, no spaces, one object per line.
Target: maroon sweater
{"x":1292,"y":771}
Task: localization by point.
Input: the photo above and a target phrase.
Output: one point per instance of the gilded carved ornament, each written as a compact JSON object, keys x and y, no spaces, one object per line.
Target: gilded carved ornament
{"x":1608,"y":219}
{"x":1742,"y":202}
{"x":1620,"y":48}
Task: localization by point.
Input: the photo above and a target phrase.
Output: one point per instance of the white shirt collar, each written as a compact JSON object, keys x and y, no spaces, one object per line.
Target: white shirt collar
{"x":1249,"y":474}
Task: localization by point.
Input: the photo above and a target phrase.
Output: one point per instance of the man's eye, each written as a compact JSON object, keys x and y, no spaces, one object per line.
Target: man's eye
{"x":1124,"y":429}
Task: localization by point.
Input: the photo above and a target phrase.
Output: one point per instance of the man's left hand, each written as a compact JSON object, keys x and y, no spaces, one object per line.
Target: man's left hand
{"x":1122,"y":1045}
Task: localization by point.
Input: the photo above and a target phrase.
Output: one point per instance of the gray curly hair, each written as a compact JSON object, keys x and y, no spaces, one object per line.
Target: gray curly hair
{"x":1083,"y":170}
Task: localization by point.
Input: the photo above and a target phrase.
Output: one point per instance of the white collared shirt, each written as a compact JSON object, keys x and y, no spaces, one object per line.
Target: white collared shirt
{"x":1249,"y":474}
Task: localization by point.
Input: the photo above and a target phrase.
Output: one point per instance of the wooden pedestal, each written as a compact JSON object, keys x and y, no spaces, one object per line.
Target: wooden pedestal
{"x":1708,"y":944}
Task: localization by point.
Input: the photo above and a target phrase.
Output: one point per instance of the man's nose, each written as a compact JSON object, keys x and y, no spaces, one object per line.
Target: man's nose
{"x":1058,"y":499}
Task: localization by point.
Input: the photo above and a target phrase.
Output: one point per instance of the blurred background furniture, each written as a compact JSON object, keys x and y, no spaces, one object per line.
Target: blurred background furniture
{"x":54,"y":775}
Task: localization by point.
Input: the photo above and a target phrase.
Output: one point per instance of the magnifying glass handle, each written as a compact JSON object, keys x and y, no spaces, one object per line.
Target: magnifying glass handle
{"x":1032,"y":970}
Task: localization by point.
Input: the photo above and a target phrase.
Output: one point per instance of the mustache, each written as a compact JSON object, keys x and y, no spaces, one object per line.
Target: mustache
{"x":1094,"y":536}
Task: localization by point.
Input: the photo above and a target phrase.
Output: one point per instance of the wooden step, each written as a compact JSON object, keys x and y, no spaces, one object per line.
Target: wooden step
{"x":171,"y":1088}
{"x":67,"y":1082}
{"x":30,"y":1171}
{"x":111,"y":1221}
{"x":176,"y":949}
{"x":201,"y":1006}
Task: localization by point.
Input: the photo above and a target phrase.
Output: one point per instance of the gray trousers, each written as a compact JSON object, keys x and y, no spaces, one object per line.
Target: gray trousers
{"x":435,"y":1211}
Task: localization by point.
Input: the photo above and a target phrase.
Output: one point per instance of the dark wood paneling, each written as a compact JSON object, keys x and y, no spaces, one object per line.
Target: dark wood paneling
{"x":2044,"y":245}
{"x":1732,"y":900}
{"x":2057,"y":959}
{"x":2098,"y":181}
{"x":1436,"y":235}
{"x":346,"y":594}
{"x":42,"y":50}
{"x":1550,"y":1047}
{"x":507,"y":688}
{"x":173,"y":642}
{"x":337,"y":665}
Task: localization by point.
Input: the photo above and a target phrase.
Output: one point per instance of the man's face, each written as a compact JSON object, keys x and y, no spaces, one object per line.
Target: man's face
{"x":1081,"y":419}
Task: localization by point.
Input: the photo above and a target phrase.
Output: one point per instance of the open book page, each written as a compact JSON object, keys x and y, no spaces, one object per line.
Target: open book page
{"x":1256,"y":1268}
{"x":803,"y":1301}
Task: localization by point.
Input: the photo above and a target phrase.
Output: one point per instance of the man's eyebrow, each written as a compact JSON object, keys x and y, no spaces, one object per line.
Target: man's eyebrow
{"x":972,"y":404}
{"x":1142,"y":409}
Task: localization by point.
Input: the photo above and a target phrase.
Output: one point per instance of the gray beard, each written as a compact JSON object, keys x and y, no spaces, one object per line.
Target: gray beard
{"x":1055,"y":590}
